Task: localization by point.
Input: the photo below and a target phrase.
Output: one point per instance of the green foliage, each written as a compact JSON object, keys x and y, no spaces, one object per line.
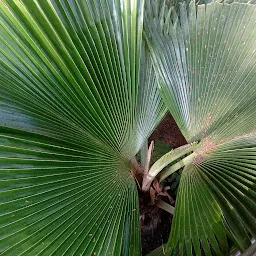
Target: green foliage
{"x":173,"y":181}
{"x":160,"y":149}
{"x":205,"y":61}
{"x":80,"y":95}
{"x":78,"y":99}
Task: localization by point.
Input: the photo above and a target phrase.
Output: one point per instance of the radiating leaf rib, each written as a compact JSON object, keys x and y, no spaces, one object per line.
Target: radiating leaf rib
{"x":219,"y":232}
{"x":234,"y":197}
{"x":232,"y":219}
{"x":73,"y":206}
{"x":234,"y":188}
{"x":206,"y":64}
{"x":78,"y":98}
{"x":198,"y":221}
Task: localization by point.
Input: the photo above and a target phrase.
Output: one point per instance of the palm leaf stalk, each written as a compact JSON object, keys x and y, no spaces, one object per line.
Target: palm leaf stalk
{"x":167,"y":159}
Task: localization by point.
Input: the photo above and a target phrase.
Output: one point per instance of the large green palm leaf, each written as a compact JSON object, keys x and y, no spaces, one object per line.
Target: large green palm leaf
{"x":78,"y":99}
{"x":205,"y":59}
{"x":206,"y":68}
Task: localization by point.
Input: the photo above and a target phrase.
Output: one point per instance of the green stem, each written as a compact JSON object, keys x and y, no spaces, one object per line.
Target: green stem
{"x":164,"y":161}
{"x":185,"y":161}
{"x":144,"y":154}
{"x":167,"y":207}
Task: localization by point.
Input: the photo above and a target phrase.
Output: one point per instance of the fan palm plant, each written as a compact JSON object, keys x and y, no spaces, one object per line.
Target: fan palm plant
{"x":83,"y":87}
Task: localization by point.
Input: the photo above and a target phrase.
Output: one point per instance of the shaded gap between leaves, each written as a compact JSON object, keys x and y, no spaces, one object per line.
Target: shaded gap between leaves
{"x":155,"y":223}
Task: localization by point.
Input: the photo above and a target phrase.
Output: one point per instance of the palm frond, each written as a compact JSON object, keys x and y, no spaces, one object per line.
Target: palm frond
{"x":231,"y":176}
{"x":73,"y":86}
{"x":205,"y":60}
{"x":198,"y":222}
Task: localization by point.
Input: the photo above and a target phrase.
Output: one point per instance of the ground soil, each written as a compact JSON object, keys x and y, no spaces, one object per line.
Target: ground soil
{"x":169,"y":133}
{"x":156,"y":223}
